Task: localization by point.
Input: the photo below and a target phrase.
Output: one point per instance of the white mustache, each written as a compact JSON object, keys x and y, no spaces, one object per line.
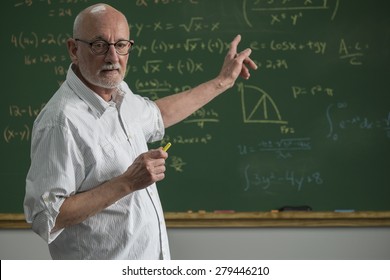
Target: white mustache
{"x":111,"y":67}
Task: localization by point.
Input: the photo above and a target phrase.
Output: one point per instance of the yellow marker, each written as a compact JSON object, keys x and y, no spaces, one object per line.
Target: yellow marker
{"x":167,"y":146}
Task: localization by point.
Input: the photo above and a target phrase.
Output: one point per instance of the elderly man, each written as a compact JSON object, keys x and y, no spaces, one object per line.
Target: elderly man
{"x":90,"y":190}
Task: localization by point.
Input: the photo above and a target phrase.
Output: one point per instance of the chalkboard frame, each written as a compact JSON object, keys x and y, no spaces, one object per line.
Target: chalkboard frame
{"x":248,"y":219}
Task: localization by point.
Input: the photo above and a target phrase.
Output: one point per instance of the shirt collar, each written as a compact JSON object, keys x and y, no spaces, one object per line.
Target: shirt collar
{"x":97,"y":104}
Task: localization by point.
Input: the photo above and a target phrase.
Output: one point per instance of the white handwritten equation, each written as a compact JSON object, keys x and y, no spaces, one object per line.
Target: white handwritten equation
{"x":337,"y":125}
{"x":63,"y":11}
{"x":353,"y":53}
{"x":275,"y":182}
{"x":181,"y":66}
{"x":287,"y":12}
{"x":14,"y":133}
{"x":194,"y":24}
{"x":35,"y":40}
{"x":282,"y":147}
{"x":290,"y":173}
{"x":19,"y":129}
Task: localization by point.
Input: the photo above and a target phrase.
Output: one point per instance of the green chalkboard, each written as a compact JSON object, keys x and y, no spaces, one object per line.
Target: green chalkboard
{"x":311,"y":126}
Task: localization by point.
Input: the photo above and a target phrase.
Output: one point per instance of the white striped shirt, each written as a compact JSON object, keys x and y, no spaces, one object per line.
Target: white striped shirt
{"x":79,"y":141}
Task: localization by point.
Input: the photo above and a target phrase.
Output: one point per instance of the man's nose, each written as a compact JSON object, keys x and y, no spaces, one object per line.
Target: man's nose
{"x":112,"y":55}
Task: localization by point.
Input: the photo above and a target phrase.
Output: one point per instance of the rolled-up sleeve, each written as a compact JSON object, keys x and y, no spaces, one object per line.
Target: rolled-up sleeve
{"x":55,"y":171}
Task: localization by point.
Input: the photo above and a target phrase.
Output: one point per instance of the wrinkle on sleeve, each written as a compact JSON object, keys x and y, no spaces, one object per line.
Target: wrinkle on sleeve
{"x":55,"y":172}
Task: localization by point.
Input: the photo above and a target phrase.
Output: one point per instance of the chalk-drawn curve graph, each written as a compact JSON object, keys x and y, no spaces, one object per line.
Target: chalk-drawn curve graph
{"x":258,"y":106}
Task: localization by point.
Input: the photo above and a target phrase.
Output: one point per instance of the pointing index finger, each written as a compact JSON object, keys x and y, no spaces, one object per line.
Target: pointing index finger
{"x":234,"y":44}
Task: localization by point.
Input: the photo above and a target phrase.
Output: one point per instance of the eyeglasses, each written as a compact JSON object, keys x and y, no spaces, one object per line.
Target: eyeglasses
{"x":100,"y":47}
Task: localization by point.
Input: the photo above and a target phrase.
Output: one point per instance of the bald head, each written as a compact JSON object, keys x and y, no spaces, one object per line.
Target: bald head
{"x":95,"y":16}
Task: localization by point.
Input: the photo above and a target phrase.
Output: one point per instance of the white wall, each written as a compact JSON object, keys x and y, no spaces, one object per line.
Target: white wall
{"x":238,"y":243}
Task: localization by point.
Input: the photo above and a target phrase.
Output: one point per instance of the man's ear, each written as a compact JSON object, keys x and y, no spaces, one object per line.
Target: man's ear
{"x":72,"y":50}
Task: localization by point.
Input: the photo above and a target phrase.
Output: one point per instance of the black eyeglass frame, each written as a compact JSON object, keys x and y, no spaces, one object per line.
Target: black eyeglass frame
{"x":131,"y":42}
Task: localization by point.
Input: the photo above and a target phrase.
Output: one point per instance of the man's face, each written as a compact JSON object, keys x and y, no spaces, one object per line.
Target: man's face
{"x":105,"y":71}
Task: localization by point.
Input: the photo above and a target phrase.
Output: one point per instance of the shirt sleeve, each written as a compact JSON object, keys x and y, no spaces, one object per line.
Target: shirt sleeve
{"x":147,"y":114}
{"x":55,"y":172}
{"x":155,"y":121}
